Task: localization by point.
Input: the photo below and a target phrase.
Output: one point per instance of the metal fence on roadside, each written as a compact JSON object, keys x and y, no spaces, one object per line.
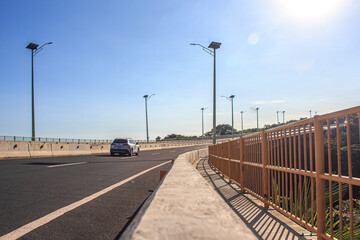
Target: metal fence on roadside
{"x":308,"y":170}
{"x":42,"y":139}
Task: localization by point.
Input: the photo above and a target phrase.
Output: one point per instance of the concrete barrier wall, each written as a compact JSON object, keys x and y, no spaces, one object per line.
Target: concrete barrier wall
{"x":40,"y":149}
{"x":10,"y":149}
{"x":23,"y":149}
{"x":60,"y":149}
{"x":185,"y":206}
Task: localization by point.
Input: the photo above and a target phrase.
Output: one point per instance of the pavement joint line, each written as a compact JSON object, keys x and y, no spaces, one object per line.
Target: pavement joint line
{"x":66,"y":164}
{"x":18,"y":233}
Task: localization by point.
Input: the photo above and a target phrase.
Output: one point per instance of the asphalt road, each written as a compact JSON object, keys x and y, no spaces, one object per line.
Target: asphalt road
{"x":33,"y":188}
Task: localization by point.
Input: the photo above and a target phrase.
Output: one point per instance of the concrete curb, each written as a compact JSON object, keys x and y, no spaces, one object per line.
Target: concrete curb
{"x":185,"y":206}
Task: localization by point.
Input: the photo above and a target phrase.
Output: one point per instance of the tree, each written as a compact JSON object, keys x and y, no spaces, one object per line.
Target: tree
{"x":174,"y":136}
{"x":222,"y":129}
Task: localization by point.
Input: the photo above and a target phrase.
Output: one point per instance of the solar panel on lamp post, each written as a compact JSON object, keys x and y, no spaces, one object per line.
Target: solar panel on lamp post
{"x":214,"y":46}
{"x":34,"y":50}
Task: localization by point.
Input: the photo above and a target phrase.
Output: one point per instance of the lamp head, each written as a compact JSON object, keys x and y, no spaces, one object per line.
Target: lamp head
{"x":214,"y":45}
{"x":32,"y":46}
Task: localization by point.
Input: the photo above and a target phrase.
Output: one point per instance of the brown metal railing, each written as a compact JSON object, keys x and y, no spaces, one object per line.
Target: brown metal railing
{"x":308,"y":170}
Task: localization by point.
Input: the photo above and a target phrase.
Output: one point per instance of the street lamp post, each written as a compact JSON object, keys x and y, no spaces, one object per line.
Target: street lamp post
{"x":283,"y":117}
{"x":231,"y":99}
{"x":257,"y":117}
{"x":147,"y":97}
{"x":34,"y":50}
{"x":202,"y":120}
{"x":214,"y":46}
{"x":242,"y":122}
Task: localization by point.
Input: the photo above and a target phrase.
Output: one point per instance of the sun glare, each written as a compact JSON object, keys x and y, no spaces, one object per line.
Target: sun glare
{"x":310,"y":11}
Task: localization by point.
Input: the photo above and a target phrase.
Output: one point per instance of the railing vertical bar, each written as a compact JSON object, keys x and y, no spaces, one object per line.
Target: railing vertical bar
{"x":282,"y":164}
{"x":320,"y":183}
{"x":295,"y":175}
{"x":222,"y":160}
{"x":286,"y":174}
{"x":291,"y":175}
{"x":259,"y":160}
{"x":269,"y":163}
{"x":339,"y":174}
{"x":300,"y":176}
{"x":305,"y":178}
{"x":350,"y":176}
{"x":252,"y":159}
{"x":229,"y":157}
{"x":278,"y":187}
{"x":272,"y":171}
{"x":242,"y":172}
{"x":330,"y":173}
{"x":312,"y":179}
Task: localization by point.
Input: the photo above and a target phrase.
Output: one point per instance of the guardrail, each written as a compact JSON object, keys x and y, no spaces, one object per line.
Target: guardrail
{"x":42,"y":139}
{"x":308,"y":170}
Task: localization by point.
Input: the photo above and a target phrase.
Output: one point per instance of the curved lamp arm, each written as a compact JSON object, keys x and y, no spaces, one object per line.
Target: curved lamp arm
{"x":40,"y":48}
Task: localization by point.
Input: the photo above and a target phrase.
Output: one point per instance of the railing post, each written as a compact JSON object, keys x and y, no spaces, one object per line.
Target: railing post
{"x":242,"y":172}
{"x":221,"y":152}
{"x":320,"y":183}
{"x":265,"y":172}
{"x":229,"y":143}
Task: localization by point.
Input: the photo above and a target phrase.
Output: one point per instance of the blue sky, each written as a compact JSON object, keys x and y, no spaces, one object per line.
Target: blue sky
{"x":107,"y":54}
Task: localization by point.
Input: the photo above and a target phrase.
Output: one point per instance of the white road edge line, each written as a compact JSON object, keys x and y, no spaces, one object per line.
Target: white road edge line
{"x":17,"y":233}
{"x":155,"y":153}
{"x":66,"y":164}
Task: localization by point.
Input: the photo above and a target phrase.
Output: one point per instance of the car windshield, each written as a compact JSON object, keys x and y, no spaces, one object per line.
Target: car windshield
{"x":120,"y":141}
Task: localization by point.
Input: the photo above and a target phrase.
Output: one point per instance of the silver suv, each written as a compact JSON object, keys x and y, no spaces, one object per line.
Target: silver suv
{"x":124,"y":146}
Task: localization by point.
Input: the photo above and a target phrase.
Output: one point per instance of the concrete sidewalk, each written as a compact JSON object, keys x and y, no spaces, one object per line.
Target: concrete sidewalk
{"x":265,"y":224}
{"x":185,"y":206}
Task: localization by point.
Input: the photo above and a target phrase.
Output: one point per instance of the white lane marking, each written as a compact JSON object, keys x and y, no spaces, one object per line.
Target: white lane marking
{"x":155,"y":153}
{"x":51,"y":216}
{"x":172,"y":151}
{"x":67,"y":164}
